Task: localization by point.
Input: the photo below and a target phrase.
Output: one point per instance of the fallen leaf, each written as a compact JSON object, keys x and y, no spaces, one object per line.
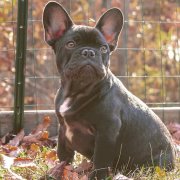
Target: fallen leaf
{"x":34,"y":147}
{"x":5,"y":139}
{"x":69,"y":174}
{"x":8,"y":148}
{"x":33,"y":138}
{"x":176,"y":135}
{"x":49,"y":143}
{"x":84,"y":166}
{"x":52,"y":155}
{"x":24,"y":162}
{"x":45,"y":135}
{"x":17,"y":139}
{"x":51,"y":158}
{"x":42,"y":126}
{"x":57,"y":171}
{"x":173,"y":127}
{"x":12,"y":151}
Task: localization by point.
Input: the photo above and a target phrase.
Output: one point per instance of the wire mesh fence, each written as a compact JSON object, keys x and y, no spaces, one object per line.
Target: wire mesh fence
{"x":147,"y":58}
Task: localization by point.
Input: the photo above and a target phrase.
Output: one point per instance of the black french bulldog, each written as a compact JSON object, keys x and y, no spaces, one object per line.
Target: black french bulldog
{"x":98,"y":116}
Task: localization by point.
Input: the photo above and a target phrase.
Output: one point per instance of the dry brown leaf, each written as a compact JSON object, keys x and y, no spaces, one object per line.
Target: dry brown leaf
{"x":8,"y":148}
{"x":49,"y":143}
{"x":42,"y":126}
{"x":57,"y":171}
{"x":34,"y":147}
{"x":40,"y":133}
{"x":37,"y":138}
{"x":33,"y":150}
{"x":5,"y":139}
{"x":176,"y":135}
{"x":24,"y":162}
{"x":17,"y":139}
{"x":84,"y":166}
{"x":33,"y":138}
{"x":69,"y":173}
{"x":45,"y":135}
{"x":51,"y":156}
{"x":12,"y":151}
{"x":173,"y":127}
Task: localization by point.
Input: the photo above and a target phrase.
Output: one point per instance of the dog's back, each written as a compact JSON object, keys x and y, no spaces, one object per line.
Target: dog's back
{"x":143,"y":139}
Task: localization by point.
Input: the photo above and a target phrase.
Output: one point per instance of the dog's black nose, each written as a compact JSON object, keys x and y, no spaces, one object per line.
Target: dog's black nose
{"x":88,"y":53}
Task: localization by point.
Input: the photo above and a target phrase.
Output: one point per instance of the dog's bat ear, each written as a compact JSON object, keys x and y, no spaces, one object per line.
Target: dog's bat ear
{"x":56,"y":22}
{"x":110,"y":25}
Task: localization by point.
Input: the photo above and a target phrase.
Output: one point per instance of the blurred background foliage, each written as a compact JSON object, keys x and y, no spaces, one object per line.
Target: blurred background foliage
{"x":147,"y":59}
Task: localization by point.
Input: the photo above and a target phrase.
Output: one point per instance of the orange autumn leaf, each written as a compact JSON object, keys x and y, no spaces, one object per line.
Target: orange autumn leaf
{"x":34,"y":147}
{"x":45,"y":135}
{"x":8,"y":148}
{"x":52,"y":155}
{"x":43,"y":125}
{"x":37,"y":137}
{"x":47,"y":120}
{"x":24,"y":162}
{"x":69,"y":174}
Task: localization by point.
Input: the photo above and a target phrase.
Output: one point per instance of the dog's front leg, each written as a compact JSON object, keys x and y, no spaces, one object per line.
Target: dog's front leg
{"x":105,"y":145}
{"x":63,"y":150}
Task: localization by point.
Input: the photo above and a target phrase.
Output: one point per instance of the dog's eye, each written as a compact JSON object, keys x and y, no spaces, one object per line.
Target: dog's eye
{"x":103,"y":49}
{"x":70,"y":44}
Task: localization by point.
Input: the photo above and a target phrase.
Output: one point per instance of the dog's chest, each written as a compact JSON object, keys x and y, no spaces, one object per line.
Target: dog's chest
{"x":81,"y":136}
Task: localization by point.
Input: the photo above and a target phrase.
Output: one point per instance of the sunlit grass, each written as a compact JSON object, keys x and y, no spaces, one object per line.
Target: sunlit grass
{"x":41,"y":168}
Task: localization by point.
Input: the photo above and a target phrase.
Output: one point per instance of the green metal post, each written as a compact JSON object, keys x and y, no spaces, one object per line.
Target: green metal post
{"x":20,"y":64}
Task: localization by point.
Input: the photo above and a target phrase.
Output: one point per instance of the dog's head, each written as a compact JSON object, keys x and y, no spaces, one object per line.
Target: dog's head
{"x":82,"y":52}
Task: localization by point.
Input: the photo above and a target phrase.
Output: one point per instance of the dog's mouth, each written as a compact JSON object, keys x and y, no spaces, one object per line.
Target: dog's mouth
{"x":85,"y":72}
{"x":83,"y":76}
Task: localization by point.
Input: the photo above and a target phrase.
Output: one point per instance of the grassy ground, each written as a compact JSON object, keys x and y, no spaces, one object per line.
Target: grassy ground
{"x":31,"y":157}
{"x":36,"y":162}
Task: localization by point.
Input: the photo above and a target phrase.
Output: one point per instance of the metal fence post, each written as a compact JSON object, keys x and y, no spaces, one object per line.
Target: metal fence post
{"x":20,"y":64}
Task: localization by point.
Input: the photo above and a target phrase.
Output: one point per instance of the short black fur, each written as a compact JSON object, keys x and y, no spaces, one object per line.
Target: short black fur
{"x":98,"y":116}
